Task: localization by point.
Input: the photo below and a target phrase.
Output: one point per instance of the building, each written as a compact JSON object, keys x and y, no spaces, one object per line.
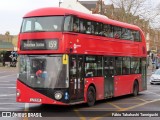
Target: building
{"x":8,"y":42}
{"x":99,"y":7}
{"x":75,"y":5}
{"x":89,"y":4}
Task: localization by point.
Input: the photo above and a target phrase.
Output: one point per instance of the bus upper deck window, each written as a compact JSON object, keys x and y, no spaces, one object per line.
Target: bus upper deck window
{"x":67,"y":23}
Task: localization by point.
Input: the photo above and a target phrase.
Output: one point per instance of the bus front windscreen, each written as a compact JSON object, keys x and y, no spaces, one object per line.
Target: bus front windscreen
{"x":42,"y":24}
{"x":42,"y":71}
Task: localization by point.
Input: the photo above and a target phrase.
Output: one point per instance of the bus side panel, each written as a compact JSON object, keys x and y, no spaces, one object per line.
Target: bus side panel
{"x":123,"y":85}
{"x":98,"y":82}
{"x":28,"y":95}
{"x":140,"y":83}
{"x":97,"y":45}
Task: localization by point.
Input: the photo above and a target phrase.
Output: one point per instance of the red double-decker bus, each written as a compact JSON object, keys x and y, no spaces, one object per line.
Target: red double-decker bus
{"x":67,"y":57}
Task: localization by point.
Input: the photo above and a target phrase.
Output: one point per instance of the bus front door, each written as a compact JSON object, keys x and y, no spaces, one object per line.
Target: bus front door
{"x":76,"y":78}
{"x":109,"y":76}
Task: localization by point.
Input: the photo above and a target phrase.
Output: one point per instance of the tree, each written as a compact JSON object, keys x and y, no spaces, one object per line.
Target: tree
{"x":7,"y":34}
{"x":141,"y":8}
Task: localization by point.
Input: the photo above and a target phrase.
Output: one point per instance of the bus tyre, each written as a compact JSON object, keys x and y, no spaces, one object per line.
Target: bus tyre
{"x":135,"y":89}
{"x":91,"y":96}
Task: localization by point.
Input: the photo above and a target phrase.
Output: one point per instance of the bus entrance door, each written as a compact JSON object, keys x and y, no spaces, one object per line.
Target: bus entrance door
{"x":76,"y":81}
{"x":108,"y":76}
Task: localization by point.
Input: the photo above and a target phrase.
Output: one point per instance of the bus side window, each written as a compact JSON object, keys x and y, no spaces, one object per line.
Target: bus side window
{"x":82,"y":26}
{"x":117,"y":32}
{"x":75,"y":24}
{"x":118,"y":65}
{"x":67,"y":23}
{"x":88,"y":27}
{"x":125,"y":34}
{"x":97,"y":28}
{"x":107,"y":31}
{"x":126,"y":66}
{"x":110,"y":31}
{"x":75,"y":27}
{"x":136,"y":35}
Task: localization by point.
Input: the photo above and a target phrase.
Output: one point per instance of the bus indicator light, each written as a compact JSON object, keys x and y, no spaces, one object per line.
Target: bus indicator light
{"x":66,"y":96}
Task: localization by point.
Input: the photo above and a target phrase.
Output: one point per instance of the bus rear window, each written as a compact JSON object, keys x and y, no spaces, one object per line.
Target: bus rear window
{"x":42,"y":24}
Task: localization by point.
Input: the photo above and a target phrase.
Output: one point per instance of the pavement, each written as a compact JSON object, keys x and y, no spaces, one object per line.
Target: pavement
{"x":150,"y":70}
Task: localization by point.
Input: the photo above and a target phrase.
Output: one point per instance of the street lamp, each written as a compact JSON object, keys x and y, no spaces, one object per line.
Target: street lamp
{"x":60,"y":1}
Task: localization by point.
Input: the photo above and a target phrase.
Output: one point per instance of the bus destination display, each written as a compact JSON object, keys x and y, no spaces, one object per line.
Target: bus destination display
{"x":39,"y":44}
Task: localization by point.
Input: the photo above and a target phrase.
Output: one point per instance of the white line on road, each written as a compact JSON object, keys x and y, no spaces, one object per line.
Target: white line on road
{"x":1,"y":98}
{"x":7,"y":76}
{"x":3,"y":95}
{"x":15,"y":109}
{"x":6,"y":84}
{"x":7,"y":87}
{"x":153,"y":93}
{"x":5,"y":81}
{"x":8,"y":103}
{"x":3,"y":72}
{"x":26,"y":107}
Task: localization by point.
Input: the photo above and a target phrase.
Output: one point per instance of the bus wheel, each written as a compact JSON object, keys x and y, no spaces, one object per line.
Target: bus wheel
{"x":135,"y":89}
{"x":91,"y":96}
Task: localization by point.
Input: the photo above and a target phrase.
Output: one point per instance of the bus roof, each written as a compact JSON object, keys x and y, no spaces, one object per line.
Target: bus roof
{"x":51,"y":11}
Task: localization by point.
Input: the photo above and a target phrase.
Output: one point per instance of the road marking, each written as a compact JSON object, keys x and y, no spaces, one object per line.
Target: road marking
{"x":7,"y":76}
{"x":8,"y":103}
{"x":125,"y":109}
{"x":97,"y":108}
{"x":114,"y":105}
{"x":3,"y":95}
{"x":153,"y":93}
{"x":140,"y":99}
{"x":7,"y":98}
{"x":79,"y":114}
{"x":26,"y":109}
{"x":11,"y":108}
{"x":144,"y":103}
{"x":3,"y":72}
{"x":128,"y":103}
{"x":7,"y":87}
{"x":7,"y":84}
{"x":5,"y":81}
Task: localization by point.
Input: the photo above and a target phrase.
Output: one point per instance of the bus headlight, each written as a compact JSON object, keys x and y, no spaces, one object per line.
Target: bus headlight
{"x":58,"y":95}
{"x":18,"y":93}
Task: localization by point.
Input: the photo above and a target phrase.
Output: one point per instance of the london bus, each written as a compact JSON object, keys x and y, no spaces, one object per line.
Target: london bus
{"x":68,"y":57}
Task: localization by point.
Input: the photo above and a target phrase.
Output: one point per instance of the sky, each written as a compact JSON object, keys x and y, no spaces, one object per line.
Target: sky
{"x":12,"y":12}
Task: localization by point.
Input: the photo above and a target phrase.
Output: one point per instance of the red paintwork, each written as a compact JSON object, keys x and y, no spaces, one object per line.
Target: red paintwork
{"x":82,"y":43}
{"x":42,"y":35}
{"x":124,"y":84}
{"x":26,"y":93}
{"x":98,"y":82}
{"x":85,"y":44}
{"x":51,"y":11}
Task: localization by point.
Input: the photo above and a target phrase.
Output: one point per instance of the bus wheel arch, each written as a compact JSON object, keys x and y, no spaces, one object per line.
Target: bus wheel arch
{"x":91,"y":95}
{"x":135,"y":88}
